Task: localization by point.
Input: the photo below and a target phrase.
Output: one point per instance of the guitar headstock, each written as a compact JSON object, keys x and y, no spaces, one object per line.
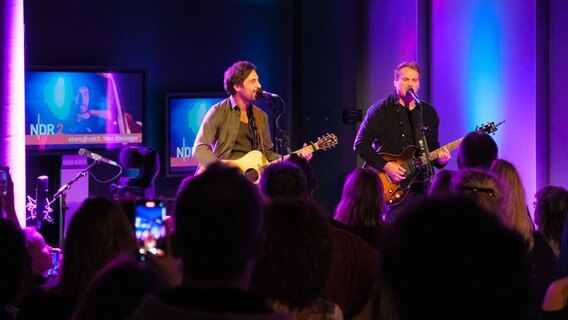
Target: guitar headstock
{"x":488,"y":128}
{"x":325,"y":142}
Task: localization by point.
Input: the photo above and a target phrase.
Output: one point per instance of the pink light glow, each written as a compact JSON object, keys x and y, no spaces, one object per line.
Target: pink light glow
{"x":12,"y":135}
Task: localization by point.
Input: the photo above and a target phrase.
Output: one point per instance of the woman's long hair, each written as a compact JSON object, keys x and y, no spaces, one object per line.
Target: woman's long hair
{"x":98,"y":231}
{"x":362,"y":203}
{"x":517,"y":215}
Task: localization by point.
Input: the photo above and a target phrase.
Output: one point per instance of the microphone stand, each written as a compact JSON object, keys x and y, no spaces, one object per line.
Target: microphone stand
{"x":424,"y":145}
{"x":62,"y":193}
{"x":282,"y":145}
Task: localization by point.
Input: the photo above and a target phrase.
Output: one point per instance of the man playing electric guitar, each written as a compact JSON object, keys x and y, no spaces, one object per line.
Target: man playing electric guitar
{"x":234,"y":127}
{"x":393,"y":124}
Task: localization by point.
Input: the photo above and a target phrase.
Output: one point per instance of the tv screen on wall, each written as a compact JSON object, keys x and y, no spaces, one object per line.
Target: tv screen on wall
{"x":88,"y":107}
{"x":184,"y":114}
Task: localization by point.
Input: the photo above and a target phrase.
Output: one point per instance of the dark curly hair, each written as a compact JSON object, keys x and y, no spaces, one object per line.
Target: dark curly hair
{"x":283,"y":178}
{"x":236,"y":74}
{"x":296,"y":259}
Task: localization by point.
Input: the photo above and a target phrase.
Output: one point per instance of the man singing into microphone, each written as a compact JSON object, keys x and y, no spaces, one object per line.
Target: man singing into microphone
{"x":393,"y":124}
{"x":235,"y":126}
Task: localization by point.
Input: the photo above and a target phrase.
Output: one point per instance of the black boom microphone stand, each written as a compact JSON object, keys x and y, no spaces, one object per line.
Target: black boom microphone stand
{"x":62,"y":194}
{"x":423,"y":143}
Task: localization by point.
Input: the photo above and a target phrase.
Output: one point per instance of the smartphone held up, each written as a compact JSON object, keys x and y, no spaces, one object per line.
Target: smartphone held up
{"x":150,"y":227}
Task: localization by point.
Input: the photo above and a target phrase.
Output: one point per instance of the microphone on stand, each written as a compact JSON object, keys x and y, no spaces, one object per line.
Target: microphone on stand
{"x":410,"y":92}
{"x":41,"y":209}
{"x":265,"y":94}
{"x":97,"y":157}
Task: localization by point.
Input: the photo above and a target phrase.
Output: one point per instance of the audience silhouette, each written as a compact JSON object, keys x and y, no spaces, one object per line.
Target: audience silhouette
{"x":15,"y":269}
{"x":451,"y":259}
{"x":550,"y":211}
{"x":477,"y":150}
{"x":361,"y":206}
{"x":218,"y":235}
{"x":98,"y":231}
{"x":294,"y":267}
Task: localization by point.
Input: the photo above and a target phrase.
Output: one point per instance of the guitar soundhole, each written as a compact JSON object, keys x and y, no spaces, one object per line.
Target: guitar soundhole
{"x":252,"y":175}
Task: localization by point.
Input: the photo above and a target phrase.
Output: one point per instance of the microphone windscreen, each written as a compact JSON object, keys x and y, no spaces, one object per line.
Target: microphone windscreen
{"x":42,"y":187}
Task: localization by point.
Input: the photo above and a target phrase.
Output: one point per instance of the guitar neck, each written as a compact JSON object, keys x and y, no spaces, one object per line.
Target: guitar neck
{"x":312,"y":147}
{"x":450,"y":146}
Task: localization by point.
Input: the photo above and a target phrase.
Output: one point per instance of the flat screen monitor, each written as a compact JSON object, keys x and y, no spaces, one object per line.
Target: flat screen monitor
{"x":68,"y":108}
{"x":184,"y":114}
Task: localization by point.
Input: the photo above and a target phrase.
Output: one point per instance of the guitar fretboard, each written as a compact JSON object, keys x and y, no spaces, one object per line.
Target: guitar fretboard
{"x":450,"y":146}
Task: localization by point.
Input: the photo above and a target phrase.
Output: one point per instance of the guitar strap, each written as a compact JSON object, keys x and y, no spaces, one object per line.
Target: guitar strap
{"x":259,"y":127}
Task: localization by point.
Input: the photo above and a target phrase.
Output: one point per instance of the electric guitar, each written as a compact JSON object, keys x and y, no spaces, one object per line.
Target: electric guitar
{"x":254,"y":162}
{"x":395,"y":192}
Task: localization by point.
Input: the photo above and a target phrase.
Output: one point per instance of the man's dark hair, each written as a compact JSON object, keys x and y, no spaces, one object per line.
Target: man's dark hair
{"x":236,"y":74}
{"x":477,"y":150}
{"x":295,"y":264}
{"x":217,"y":223}
{"x":308,"y":170}
{"x":283,"y":179}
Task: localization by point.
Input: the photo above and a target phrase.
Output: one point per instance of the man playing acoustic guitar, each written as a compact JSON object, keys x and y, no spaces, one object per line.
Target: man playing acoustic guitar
{"x":234,"y":127}
{"x":391,"y":126}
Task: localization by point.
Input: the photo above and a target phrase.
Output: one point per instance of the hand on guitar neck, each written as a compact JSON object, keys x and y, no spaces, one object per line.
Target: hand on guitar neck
{"x":444,"y":155}
{"x":305,"y":152}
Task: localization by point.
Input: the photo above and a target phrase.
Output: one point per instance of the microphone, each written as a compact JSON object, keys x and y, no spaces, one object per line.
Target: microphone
{"x":41,"y":209}
{"x":265,"y":94}
{"x":97,"y":157}
{"x":411,"y":93}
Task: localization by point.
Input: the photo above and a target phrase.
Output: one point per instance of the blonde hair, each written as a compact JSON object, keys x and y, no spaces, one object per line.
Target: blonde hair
{"x":483,"y":187}
{"x":517,"y":215}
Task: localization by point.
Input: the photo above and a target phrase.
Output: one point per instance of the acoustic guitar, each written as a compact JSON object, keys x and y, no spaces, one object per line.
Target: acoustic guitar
{"x":254,"y":162}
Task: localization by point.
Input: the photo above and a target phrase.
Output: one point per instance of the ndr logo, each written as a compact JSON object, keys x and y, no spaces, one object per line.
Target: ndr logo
{"x":42,"y":128}
{"x":184,"y":152}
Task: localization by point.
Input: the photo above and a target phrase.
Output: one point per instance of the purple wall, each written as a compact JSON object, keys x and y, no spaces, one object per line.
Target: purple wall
{"x":483,"y":69}
{"x":558,"y":93}
{"x":487,"y":61}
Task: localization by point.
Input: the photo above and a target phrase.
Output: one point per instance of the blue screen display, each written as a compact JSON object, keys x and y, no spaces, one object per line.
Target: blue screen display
{"x":185,"y":114}
{"x":70,"y":109}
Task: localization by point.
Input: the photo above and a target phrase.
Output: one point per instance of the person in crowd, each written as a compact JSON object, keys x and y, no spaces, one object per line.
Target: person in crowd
{"x":308,"y":170}
{"x":98,"y":231}
{"x":218,"y":236}
{"x":120,"y":287}
{"x":235,"y":126}
{"x":283,"y":178}
{"x":517,"y":215}
{"x":441,"y":184}
{"x":555,"y":302}
{"x":296,"y":230}
{"x":40,"y":254}
{"x":394,"y":124}
{"x":477,"y":150}
{"x":15,"y":269}
{"x":448,"y":258}
{"x":550,"y":211}
{"x":354,"y":261}
{"x":361,"y":206}
{"x":7,"y":204}
{"x":501,"y":192}
{"x":483,"y":187}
